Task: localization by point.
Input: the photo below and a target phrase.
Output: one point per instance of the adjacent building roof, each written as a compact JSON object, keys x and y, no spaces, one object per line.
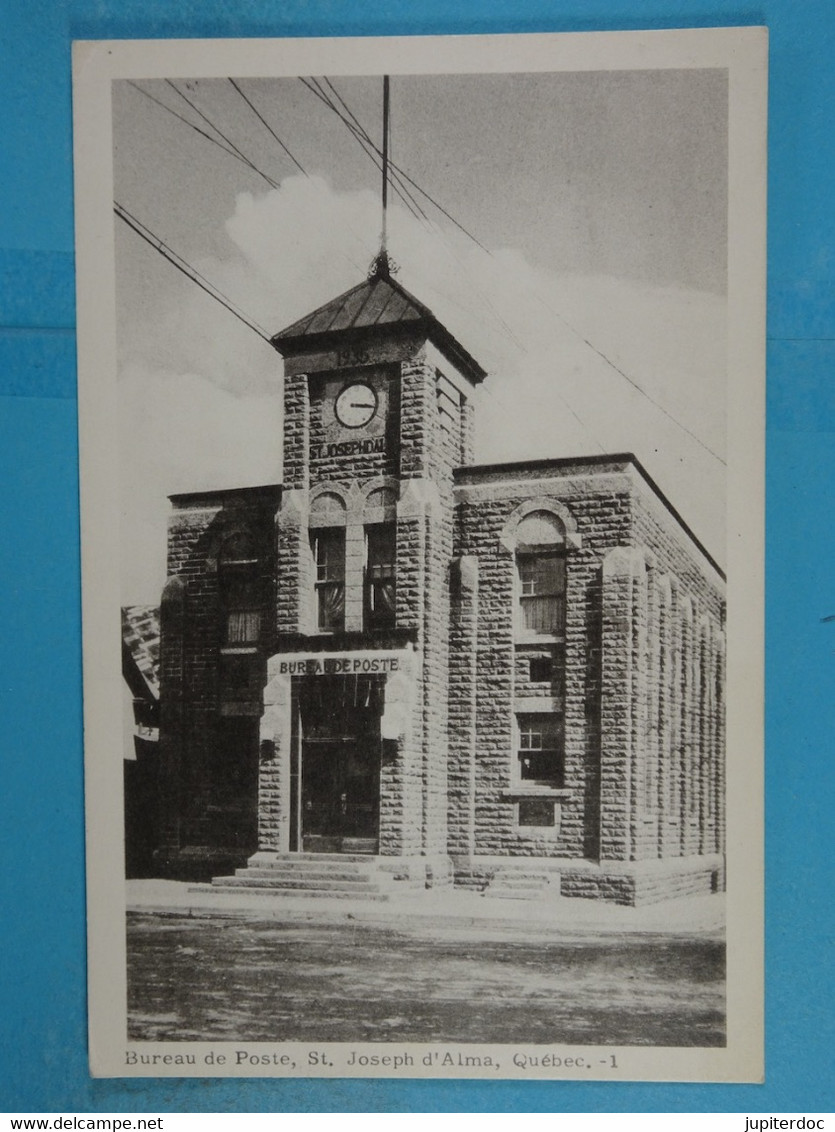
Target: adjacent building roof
{"x":140,"y":648}
{"x":378,"y":304}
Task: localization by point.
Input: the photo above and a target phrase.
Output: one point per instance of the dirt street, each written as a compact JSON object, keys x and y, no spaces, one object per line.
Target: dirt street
{"x":245,"y":977}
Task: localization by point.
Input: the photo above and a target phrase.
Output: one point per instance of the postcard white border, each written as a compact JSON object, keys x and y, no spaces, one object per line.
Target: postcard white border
{"x":743,"y":51}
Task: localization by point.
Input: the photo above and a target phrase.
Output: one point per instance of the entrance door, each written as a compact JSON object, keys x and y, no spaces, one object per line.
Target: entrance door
{"x":340,"y":764}
{"x":340,"y":796}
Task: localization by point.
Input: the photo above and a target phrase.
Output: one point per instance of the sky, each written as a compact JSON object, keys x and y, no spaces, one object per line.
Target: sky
{"x":593,"y":290}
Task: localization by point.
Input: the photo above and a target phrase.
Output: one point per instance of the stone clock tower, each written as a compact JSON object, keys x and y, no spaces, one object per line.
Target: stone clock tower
{"x":377,"y":415}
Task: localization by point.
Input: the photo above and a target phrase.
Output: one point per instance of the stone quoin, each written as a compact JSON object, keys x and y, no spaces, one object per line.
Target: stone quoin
{"x":505,"y":677}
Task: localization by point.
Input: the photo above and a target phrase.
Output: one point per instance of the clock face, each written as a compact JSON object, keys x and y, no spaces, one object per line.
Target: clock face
{"x":356,"y":405}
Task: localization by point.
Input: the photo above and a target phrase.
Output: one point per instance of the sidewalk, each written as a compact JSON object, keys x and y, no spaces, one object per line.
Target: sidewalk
{"x":451,"y":912}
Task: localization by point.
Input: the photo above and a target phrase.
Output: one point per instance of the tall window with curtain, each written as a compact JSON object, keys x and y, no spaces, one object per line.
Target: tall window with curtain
{"x":328,"y":546}
{"x":380,"y":586}
{"x":540,"y":565}
{"x":242,"y":591}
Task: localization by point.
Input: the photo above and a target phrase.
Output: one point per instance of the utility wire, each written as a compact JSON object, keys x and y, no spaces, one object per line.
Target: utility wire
{"x":135,"y":220}
{"x":360,"y":133}
{"x":635,"y":385}
{"x":268,"y":127}
{"x":350,"y":120}
{"x":631,"y":381}
{"x":185,"y":267}
{"x":399,"y":176}
{"x":182,"y":118}
{"x":365,"y":143}
{"x":370,"y":149}
{"x":369,"y":145}
{"x":406,"y":176}
{"x":273,"y":184}
{"x":357,"y":126}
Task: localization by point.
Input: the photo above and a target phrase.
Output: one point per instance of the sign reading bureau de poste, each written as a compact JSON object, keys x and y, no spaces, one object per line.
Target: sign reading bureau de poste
{"x":340,"y":664}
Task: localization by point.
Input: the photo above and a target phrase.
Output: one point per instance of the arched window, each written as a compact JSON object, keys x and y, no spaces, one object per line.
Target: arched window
{"x":241,"y":590}
{"x":328,"y":516}
{"x":380,"y":558}
{"x":327,"y":508}
{"x":540,"y":565}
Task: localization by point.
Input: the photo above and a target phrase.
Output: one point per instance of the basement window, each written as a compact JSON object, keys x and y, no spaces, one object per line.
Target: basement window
{"x":538,"y":813}
{"x":541,"y":669}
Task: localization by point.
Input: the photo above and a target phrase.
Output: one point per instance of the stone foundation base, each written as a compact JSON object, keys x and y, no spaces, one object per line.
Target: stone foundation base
{"x":197,"y":862}
{"x":617,"y":882}
{"x":433,"y":872}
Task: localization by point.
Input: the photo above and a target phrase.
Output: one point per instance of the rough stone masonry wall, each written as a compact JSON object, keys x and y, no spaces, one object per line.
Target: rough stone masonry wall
{"x":424,"y":549}
{"x":445,"y":447}
{"x":602,"y":520}
{"x":678,"y":804}
{"x":293,"y":556}
{"x":191,"y":544}
{"x":463,"y":662}
{"x":191,"y":639}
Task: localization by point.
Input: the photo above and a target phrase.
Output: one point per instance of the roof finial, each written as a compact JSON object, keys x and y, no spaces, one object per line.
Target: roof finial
{"x":382,"y":267}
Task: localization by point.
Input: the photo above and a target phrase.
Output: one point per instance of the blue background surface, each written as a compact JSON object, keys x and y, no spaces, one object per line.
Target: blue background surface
{"x":43,"y":1056}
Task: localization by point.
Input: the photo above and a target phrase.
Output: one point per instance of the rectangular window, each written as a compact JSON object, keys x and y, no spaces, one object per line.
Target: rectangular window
{"x":328,"y":547}
{"x":244,"y":597}
{"x":380,"y":589}
{"x":542,"y":593}
{"x":243,"y":626}
{"x":240,"y":678}
{"x":541,"y":758}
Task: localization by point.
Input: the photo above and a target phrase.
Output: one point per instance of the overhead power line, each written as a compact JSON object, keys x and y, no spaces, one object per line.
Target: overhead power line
{"x":399,"y":180}
{"x":405,"y":176}
{"x":356,"y":128}
{"x":273,"y":184}
{"x":631,"y":381}
{"x":268,"y":127}
{"x":367,"y":145}
{"x":185,"y":267}
{"x":604,"y":357}
{"x":182,"y":118}
{"x":359,"y":129}
{"x":232,"y":152}
{"x":616,"y":368}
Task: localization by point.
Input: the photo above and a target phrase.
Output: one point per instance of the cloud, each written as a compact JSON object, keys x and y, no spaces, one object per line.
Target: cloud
{"x":201,"y":393}
{"x":181,"y":432}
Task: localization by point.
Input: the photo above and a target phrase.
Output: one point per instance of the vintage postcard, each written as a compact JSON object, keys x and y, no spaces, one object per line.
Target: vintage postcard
{"x":421,"y":391}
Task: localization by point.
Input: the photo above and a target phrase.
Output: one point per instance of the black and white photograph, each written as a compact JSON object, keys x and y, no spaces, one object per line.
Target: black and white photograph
{"x":421,"y":425}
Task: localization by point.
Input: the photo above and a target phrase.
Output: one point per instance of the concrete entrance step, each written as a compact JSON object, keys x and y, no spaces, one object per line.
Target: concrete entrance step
{"x":322,"y":874}
{"x":309,"y":868}
{"x":256,"y":880}
{"x":307,"y":893}
{"x":312,"y":874}
{"x":316,"y":858}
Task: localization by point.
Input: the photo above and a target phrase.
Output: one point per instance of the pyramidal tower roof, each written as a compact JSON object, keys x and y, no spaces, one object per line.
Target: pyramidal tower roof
{"x":377,"y":306}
